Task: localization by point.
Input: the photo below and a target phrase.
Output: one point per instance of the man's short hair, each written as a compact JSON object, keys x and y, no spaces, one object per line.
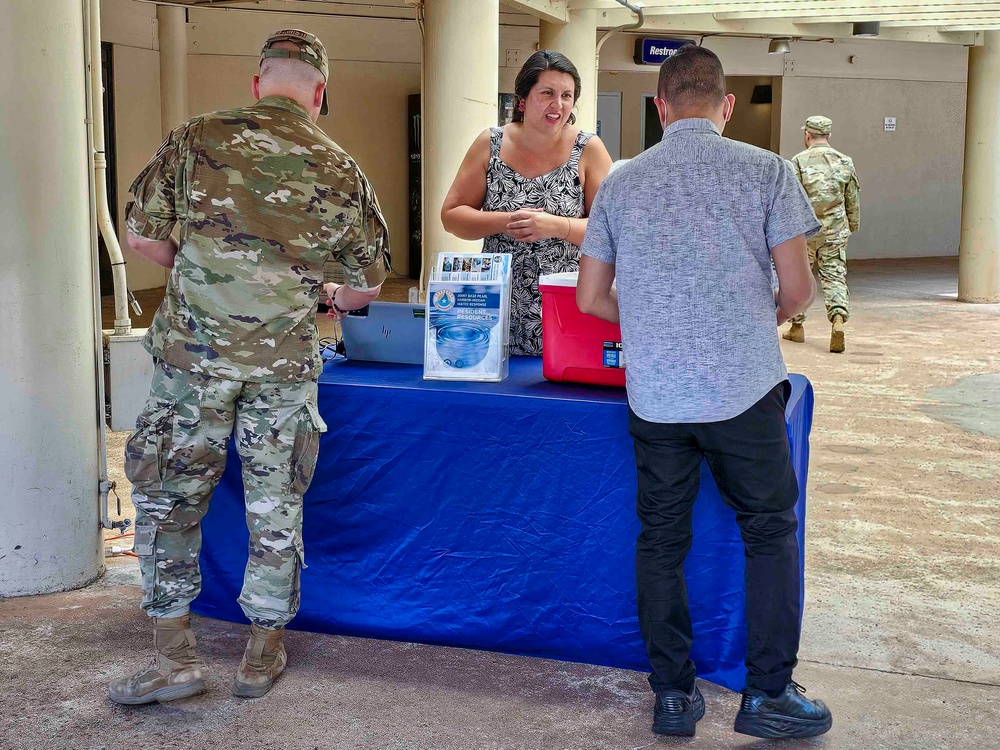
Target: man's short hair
{"x":692,"y":77}
{"x":290,"y":70}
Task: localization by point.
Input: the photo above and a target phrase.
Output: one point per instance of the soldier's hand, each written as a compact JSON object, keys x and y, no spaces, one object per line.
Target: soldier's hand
{"x":331,"y":290}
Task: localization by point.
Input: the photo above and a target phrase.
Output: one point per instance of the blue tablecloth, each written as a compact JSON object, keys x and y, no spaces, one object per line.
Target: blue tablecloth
{"x":490,"y":516}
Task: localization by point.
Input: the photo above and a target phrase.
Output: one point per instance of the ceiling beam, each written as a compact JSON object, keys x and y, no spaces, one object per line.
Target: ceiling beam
{"x":855,"y":11}
{"x":991,"y":23}
{"x":731,"y":9}
{"x":553,"y":11}
{"x":900,"y":19}
{"x":221,"y":3}
{"x":772,"y":27}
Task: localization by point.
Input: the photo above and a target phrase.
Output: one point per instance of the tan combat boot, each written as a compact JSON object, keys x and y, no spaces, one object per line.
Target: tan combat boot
{"x":837,"y":335}
{"x":796,"y":333}
{"x":263,"y":661}
{"x":175,"y":672}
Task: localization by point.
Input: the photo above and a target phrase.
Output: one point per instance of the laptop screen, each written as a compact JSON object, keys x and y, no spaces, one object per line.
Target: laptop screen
{"x":388,"y":332}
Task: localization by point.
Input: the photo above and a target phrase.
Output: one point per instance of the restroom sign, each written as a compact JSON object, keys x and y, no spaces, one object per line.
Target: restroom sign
{"x":653,"y":51}
{"x":890,"y":124}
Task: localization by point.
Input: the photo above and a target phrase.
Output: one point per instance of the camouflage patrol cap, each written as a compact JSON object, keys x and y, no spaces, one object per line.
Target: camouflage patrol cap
{"x":311,"y":50}
{"x":818,"y":124}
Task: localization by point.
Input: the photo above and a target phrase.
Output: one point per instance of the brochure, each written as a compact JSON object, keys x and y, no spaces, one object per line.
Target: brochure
{"x":468,"y":318}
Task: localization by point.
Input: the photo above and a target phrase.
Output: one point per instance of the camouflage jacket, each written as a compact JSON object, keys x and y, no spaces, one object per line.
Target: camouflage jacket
{"x":831,"y":183}
{"x":265,"y":199}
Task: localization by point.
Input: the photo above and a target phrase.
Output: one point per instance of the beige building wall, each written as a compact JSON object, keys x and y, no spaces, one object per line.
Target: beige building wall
{"x":776,"y":93}
{"x":911,"y":179}
{"x":131,"y":29}
{"x":367,"y":118}
{"x":137,"y":134}
{"x":375,"y":64}
{"x":632,"y":87}
{"x":751,"y":123}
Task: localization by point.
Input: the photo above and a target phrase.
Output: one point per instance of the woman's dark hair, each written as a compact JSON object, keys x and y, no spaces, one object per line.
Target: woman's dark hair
{"x":534,"y":66}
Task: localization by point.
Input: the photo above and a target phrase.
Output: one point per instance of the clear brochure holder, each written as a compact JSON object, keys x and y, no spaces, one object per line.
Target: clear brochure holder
{"x":468,"y":318}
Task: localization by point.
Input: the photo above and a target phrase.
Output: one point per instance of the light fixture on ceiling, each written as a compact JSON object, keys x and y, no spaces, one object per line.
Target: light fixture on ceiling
{"x":778,"y":47}
{"x":865,"y":28}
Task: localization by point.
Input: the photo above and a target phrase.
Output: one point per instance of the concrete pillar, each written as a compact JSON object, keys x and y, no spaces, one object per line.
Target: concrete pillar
{"x":50,"y":536}
{"x":578,"y":41}
{"x":461,"y":54}
{"x":171,"y":23}
{"x":979,"y":257}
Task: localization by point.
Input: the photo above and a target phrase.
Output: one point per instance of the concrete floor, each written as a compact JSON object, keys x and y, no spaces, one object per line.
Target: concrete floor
{"x":902,"y":622}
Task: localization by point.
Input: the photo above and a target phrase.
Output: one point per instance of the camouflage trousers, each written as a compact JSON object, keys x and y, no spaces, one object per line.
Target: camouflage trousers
{"x":175,"y":459}
{"x":829,"y":259}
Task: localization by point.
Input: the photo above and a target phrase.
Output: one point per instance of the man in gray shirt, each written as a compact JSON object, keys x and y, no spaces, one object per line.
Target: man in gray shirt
{"x":691,"y":228}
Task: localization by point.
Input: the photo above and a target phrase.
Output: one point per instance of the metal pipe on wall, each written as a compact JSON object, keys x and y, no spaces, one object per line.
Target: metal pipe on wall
{"x":104,"y":484}
{"x":123,"y":323}
{"x":640,"y":20}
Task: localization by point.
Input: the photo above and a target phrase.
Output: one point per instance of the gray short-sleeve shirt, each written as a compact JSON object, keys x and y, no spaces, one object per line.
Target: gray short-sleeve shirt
{"x":689,"y":226}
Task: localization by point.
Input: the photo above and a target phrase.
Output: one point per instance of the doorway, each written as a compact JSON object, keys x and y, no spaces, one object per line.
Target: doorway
{"x":609,"y":122}
{"x":108,"y":107}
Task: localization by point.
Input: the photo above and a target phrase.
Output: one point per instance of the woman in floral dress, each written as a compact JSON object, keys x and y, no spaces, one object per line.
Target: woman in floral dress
{"x":526,"y":188}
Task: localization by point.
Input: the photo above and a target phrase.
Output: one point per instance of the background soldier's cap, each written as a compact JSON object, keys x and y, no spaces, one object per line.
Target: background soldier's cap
{"x":311,"y":50}
{"x":818,"y":124}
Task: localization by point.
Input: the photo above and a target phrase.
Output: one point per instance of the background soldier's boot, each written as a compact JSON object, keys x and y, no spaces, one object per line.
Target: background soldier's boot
{"x":796,"y":333}
{"x":837,"y":334}
{"x":263,"y":661}
{"x":175,"y":672}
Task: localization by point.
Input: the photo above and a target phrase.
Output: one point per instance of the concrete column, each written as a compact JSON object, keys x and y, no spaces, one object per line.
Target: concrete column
{"x":50,"y":536}
{"x":979,"y":256}
{"x":171,"y":24}
{"x":461,"y":83}
{"x":578,"y":41}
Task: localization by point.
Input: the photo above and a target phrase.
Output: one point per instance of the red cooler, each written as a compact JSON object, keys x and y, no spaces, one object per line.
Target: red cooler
{"x":577,"y":348}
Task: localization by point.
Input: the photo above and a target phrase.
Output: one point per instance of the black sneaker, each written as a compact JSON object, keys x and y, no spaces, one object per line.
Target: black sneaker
{"x":676,"y":712}
{"x":790,"y":715}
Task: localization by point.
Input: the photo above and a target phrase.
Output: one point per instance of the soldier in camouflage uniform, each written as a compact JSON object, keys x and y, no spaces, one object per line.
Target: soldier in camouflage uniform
{"x":831,"y":183}
{"x":265,"y":201}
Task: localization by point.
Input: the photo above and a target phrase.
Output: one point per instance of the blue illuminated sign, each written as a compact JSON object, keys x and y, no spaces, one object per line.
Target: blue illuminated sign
{"x":653,"y":51}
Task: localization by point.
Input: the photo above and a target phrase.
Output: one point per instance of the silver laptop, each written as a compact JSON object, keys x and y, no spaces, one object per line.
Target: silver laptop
{"x":385,"y":332}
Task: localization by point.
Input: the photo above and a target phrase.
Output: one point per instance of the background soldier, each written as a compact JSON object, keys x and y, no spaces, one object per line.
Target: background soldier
{"x":265,"y":199}
{"x":832,"y":186}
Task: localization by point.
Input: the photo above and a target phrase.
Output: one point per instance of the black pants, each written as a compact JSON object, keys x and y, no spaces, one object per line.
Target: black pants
{"x":751,"y":462}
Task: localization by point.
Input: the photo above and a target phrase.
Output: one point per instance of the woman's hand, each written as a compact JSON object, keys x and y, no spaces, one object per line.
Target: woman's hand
{"x":533,"y":224}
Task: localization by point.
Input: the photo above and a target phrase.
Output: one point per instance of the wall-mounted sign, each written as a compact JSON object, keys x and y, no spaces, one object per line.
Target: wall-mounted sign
{"x":653,"y":51}
{"x":890,"y":124}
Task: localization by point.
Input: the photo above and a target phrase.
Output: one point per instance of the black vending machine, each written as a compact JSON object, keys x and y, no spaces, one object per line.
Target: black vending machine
{"x":413,"y":136}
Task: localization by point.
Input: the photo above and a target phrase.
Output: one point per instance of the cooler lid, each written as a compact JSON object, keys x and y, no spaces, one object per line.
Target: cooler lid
{"x":558,"y":279}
